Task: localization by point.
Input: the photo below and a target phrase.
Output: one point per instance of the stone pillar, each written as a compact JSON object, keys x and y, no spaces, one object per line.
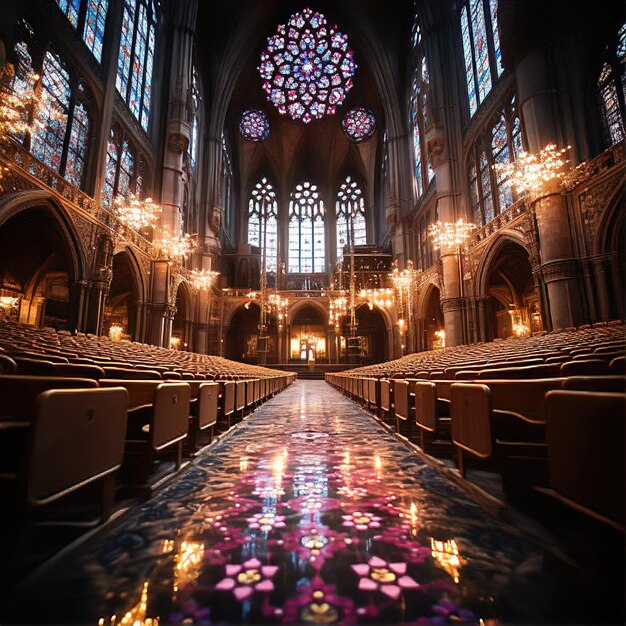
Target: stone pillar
{"x":559,"y":267}
{"x":157,"y":332}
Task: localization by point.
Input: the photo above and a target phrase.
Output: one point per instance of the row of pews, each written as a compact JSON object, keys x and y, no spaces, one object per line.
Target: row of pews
{"x":86,"y":423}
{"x":545,"y":413}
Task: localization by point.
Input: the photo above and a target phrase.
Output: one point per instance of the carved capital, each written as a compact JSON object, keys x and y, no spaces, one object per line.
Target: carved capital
{"x":453,"y":304}
{"x":563,"y":269}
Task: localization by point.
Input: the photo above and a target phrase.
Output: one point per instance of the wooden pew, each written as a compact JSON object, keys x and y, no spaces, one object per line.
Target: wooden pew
{"x":586,"y":434}
{"x":75,"y":440}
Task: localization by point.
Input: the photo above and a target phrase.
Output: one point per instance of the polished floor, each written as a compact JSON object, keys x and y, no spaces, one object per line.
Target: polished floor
{"x":310,"y":511}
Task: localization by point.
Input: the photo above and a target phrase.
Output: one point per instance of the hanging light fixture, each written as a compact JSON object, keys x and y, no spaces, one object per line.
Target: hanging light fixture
{"x":450,"y":235}
{"x":529,"y":173}
{"x":136,"y":213}
{"x":175,"y":246}
{"x":20,"y":103}
{"x":203,"y":279}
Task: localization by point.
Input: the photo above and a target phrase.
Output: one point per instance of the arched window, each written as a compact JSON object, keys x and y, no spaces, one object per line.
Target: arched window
{"x":481,"y":48}
{"x":350,"y":211}
{"x":60,"y":137}
{"x":47,"y":142}
{"x":89,"y":18}
{"x":77,"y":148}
{"x":136,"y":57}
{"x":490,"y":193}
{"x":263,"y":221}
{"x":93,"y":30}
{"x":418,"y":114}
{"x":228,"y":178}
{"x":71,"y":9}
{"x":612,"y":92}
{"x":121,"y":174}
{"x":306,"y":229}
{"x":195,"y":115}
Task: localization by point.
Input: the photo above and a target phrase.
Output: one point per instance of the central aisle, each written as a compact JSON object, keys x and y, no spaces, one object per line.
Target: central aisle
{"x":309,"y":511}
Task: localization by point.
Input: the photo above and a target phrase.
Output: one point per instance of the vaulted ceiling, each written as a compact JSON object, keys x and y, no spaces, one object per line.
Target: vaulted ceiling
{"x":231,"y":37}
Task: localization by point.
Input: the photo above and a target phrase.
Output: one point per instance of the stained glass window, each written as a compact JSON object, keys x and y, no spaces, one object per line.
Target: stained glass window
{"x":489,"y":192}
{"x":77,"y":148}
{"x":47,"y":142}
{"x":612,"y":92}
{"x":89,"y":18}
{"x":500,"y":154}
{"x":136,"y":57}
{"x":307,"y":67}
{"x":195,"y":99}
{"x":485,"y":184}
{"x":93,"y":31}
{"x":306,"y":229}
{"x":263,"y":221}
{"x":359,"y":124}
{"x":481,"y":48}
{"x":254,"y":125}
{"x":65,"y":109}
{"x":21,"y":81}
{"x":350,"y":211}
{"x":474,"y":192}
{"x":418,"y":113}
{"x":119,"y":170}
{"x":71,"y":9}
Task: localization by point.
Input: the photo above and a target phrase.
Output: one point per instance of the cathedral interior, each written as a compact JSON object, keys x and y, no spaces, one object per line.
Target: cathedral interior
{"x":312,"y":313}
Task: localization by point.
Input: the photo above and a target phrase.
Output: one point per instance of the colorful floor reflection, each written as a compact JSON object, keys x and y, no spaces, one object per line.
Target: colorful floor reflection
{"x":310,"y":512}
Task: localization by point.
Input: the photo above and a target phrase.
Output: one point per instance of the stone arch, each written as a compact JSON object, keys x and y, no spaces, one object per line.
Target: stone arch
{"x":307,"y":332}
{"x":376,"y":348}
{"x":509,"y":301}
{"x":430,"y":316}
{"x":126,"y":294}
{"x":41,"y":200}
{"x":320,"y":304}
{"x":610,"y":237}
{"x":43,"y":260}
{"x":182,"y":324}
{"x":242,"y":332}
{"x":490,"y":254}
{"x":426,"y":291}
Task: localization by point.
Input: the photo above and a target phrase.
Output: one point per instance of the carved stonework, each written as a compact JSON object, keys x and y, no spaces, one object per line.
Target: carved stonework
{"x":87,"y":233}
{"x":593,"y":202}
{"x":435,"y":147}
{"x":442,"y":284}
{"x":560,"y":270}
{"x":452,"y":304}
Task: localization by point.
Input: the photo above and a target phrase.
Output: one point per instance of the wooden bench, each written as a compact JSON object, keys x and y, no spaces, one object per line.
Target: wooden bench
{"x":586,"y":434}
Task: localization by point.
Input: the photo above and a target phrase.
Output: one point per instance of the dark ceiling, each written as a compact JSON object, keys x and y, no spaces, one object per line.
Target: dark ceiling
{"x":237,"y":31}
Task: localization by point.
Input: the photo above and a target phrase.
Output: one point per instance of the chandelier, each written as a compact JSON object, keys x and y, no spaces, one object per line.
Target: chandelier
{"x":530,"y":172}
{"x":21,"y":100}
{"x":278,"y":306}
{"x":271,"y":303}
{"x":116,"y":333}
{"x":450,"y":235}
{"x":8,"y":308}
{"x":382,"y":298}
{"x":338,"y":308}
{"x":203,"y":279}
{"x":174,"y":246}
{"x":136,"y":213}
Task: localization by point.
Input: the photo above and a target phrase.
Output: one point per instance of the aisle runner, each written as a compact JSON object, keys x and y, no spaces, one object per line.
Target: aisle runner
{"x":309,"y":513}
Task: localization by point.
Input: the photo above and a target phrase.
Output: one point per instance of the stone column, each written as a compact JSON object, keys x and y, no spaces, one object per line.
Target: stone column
{"x":559,"y":267}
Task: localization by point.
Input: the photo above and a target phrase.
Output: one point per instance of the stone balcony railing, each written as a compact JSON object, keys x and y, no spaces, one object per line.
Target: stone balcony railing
{"x":22,"y":164}
{"x":576,"y":177}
